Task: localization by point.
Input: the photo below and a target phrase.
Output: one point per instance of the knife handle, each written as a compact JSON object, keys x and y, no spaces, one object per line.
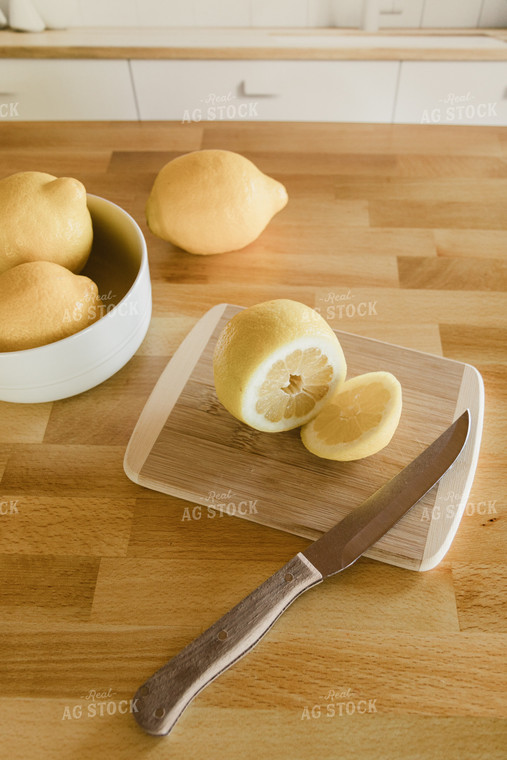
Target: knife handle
{"x":159,"y":702}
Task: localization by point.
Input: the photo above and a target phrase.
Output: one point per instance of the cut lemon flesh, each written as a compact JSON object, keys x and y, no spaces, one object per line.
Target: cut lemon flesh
{"x":294,"y":384}
{"x":276,"y":364}
{"x":359,"y":421}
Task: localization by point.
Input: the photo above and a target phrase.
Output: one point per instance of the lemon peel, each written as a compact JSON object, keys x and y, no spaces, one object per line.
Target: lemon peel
{"x":212,"y":201}
{"x":44,"y":218}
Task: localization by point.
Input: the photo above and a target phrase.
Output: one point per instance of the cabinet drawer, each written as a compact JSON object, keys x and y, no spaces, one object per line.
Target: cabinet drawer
{"x":358,"y":91}
{"x":52,"y":90}
{"x":452,"y":93}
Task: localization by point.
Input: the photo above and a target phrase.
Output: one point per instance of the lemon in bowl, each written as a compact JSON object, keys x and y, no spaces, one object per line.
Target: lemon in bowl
{"x":118,"y":264}
{"x":44,"y":218}
{"x":41,"y":302}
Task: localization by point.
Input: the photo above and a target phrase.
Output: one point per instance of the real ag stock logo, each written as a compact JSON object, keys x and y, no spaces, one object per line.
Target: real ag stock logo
{"x":221,"y":108}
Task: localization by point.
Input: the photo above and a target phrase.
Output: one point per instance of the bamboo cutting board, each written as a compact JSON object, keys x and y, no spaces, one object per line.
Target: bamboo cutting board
{"x":186,"y":444}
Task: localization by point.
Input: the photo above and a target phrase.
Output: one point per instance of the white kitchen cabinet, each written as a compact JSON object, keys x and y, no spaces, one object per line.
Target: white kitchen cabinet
{"x":349,"y":13}
{"x":431,"y":92}
{"x":493,"y":13}
{"x":451,"y":13}
{"x":356,"y":91}
{"x":463,"y":92}
{"x":66,"y":90}
{"x":284,"y":13}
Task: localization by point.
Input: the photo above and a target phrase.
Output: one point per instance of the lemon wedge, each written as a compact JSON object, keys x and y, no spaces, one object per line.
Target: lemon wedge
{"x":360,"y":420}
{"x":276,"y":364}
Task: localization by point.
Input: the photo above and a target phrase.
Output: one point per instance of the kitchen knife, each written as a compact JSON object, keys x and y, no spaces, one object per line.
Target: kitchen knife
{"x":159,"y":702}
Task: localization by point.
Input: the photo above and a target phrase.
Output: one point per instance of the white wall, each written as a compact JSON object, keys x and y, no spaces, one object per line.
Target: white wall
{"x":288,"y":13}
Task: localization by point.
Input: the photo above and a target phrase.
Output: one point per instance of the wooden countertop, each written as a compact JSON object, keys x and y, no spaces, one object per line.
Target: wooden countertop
{"x":250,"y":43}
{"x":102,"y":581}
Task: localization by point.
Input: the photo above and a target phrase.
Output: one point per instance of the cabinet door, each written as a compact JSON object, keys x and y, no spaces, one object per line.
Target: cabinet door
{"x":67,"y":90}
{"x":454,"y":92}
{"x":360,"y":91}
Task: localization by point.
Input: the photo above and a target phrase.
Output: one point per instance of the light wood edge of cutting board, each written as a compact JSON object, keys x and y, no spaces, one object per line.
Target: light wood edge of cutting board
{"x":167,"y":391}
{"x":454,"y":488}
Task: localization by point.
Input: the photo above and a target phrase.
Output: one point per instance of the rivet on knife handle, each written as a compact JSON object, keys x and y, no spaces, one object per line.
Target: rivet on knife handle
{"x":163,"y":697}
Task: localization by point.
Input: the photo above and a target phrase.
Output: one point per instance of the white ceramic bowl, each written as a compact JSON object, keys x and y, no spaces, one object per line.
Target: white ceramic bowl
{"x":118,"y":264}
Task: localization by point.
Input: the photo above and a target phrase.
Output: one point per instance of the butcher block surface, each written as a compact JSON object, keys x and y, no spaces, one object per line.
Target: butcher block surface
{"x":403,"y":231}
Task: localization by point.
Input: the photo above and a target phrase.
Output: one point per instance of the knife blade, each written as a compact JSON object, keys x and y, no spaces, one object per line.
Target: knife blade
{"x":159,"y":702}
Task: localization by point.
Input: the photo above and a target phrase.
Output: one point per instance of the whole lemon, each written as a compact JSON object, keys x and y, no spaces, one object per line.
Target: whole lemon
{"x":212,"y":201}
{"x":41,"y":302}
{"x":44,"y":218}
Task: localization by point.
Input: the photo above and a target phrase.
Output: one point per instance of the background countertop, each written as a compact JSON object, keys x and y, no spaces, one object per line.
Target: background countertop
{"x":248,"y":43}
{"x":102,"y":581}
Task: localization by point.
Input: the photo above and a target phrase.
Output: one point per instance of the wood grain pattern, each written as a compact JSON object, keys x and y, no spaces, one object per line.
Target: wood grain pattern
{"x":440,"y":273}
{"x":435,"y":214}
{"x":272,"y":479}
{"x":164,"y":696}
{"x":104,"y":580}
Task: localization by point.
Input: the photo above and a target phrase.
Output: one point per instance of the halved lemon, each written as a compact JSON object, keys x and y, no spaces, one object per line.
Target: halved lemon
{"x":359,"y":420}
{"x":276,"y":364}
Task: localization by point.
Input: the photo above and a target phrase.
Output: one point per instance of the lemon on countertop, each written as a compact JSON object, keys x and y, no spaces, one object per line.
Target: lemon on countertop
{"x":359,"y":421}
{"x":276,"y":364}
{"x":44,"y":218}
{"x":41,"y":302}
{"x":212,"y":201}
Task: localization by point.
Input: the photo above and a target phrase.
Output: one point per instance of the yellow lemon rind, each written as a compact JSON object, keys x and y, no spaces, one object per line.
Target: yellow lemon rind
{"x":212,"y":201}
